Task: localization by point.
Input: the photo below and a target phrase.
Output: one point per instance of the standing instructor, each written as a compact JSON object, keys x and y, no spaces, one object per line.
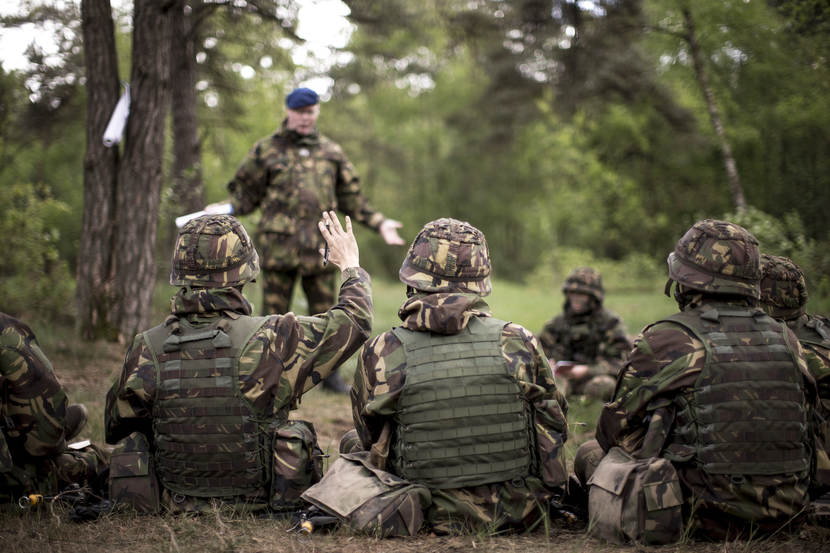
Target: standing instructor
{"x":293,"y":176}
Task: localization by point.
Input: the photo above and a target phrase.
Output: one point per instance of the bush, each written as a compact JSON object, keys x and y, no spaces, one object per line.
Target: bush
{"x":34,"y":281}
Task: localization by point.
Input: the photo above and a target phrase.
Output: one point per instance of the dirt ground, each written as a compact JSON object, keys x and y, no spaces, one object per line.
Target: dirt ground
{"x":87,"y":371}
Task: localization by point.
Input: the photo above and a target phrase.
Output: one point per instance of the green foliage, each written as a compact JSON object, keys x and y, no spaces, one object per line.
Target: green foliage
{"x":787,"y":236}
{"x":34,"y":280}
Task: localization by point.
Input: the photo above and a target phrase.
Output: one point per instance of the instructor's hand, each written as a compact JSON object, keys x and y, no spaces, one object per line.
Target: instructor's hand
{"x":343,"y":251}
{"x":389,"y":231}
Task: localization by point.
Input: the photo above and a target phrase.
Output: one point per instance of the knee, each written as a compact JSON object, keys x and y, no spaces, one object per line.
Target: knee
{"x":586,"y":460}
{"x":350,"y":442}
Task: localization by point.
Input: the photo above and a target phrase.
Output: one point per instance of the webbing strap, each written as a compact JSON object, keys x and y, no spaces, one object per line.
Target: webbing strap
{"x":425,"y":453}
{"x":435,"y":471}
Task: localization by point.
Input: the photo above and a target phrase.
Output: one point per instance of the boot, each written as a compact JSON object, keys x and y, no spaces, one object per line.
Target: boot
{"x":74,"y":421}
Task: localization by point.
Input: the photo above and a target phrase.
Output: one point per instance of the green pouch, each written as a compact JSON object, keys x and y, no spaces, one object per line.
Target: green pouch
{"x":133,"y":479}
{"x":297,"y":463}
{"x":635,"y":500}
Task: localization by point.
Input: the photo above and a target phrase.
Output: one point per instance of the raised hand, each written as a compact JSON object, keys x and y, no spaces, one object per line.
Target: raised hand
{"x":343,"y":251}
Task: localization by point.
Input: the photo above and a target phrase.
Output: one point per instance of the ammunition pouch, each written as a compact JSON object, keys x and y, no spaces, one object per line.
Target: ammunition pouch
{"x":635,"y":500}
{"x":133,"y":480}
{"x":368,"y":499}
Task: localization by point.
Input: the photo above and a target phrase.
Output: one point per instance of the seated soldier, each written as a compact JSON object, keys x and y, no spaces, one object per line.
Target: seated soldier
{"x":720,"y":389}
{"x":784,"y":296}
{"x":36,"y":422}
{"x":200,"y":408}
{"x":587,"y":344}
{"x":458,"y":400}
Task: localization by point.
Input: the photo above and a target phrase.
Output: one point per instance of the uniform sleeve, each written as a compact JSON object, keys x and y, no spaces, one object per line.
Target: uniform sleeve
{"x":550,"y":342}
{"x":130,"y":398}
{"x":664,"y":360}
{"x":250,"y":182}
{"x":528,"y":363}
{"x":35,"y":402}
{"x":350,"y":198}
{"x":297,"y":353}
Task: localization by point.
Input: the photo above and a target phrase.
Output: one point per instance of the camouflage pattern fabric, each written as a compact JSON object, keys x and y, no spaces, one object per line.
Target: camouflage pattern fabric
{"x":286,"y":357}
{"x":783,"y":288}
{"x":664,"y":364}
{"x":784,"y":296}
{"x":278,"y":287}
{"x":719,"y":257}
{"x":448,"y":256}
{"x":213,"y":251}
{"x":33,"y":453}
{"x":133,"y":479}
{"x":585,"y":280}
{"x":293,"y":178}
{"x":379,"y":379}
{"x":597,"y":338}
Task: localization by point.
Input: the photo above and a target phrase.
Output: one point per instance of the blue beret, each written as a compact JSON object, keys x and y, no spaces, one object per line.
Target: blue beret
{"x":300,"y":98}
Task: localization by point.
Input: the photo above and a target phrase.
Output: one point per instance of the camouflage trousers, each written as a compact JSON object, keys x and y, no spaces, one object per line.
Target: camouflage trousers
{"x":278,"y":289}
{"x":50,"y":475}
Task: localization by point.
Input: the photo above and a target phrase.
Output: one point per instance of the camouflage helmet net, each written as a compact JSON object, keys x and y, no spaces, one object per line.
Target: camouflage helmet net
{"x":783,"y":288}
{"x":448,"y":256}
{"x":585,"y":280}
{"x":213,"y":251}
{"x":718,"y":257}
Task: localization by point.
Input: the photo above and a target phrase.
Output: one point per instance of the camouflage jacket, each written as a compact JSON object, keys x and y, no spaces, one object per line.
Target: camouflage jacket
{"x":665,"y":362}
{"x":381,"y":374}
{"x":287,"y":356}
{"x":33,"y":401}
{"x":293,"y":178}
{"x":597,"y":339}
{"x":814,"y":334}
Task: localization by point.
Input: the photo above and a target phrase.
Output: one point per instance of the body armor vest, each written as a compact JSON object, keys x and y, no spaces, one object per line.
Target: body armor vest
{"x":746,"y":414}
{"x":208,"y":443}
{"x":462,"y":419}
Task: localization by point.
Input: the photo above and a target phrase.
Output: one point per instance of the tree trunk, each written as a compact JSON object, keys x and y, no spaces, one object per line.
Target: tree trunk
{"x":94,"y":294}
{"x":188,"y":191}
{"x":140,"y":173}
{"x":735,"y":187}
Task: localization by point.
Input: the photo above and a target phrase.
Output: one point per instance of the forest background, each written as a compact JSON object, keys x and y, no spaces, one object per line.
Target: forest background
{"x":572,"y":133}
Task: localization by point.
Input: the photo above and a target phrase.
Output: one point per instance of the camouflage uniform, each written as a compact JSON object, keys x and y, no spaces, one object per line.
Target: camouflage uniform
{"x":667,"y":382}
{"x":284,"y":357}
{"x":33,"y":453}
{"x":293,"y":178}
{"x":784,"y":296}
{"x":447,"y":271}
{"x":596,"y":338}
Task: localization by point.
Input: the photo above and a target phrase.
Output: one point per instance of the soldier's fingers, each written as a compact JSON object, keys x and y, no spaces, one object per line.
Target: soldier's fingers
{"x":335,"y":223}
{"x":348,"y":225}
{"x":323,"y":230}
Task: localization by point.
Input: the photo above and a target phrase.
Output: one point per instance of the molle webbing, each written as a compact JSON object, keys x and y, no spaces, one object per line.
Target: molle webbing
{"x":746,"y":414}
{"x":207,"y":441}
{"x":462,"y":420}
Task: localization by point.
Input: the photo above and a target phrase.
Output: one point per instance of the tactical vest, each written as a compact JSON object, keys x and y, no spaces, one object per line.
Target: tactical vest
{"x":462,"y":419}
{"x":746,"y":414}
{"x":208,"y":442}
{"x":814,"y":332}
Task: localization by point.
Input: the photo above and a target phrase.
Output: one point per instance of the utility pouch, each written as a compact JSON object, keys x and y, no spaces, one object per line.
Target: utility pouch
{"x":368,"y":499}
{"x":297,"y":463}
{"x":133,"y":479}
{"x":635,"y":500}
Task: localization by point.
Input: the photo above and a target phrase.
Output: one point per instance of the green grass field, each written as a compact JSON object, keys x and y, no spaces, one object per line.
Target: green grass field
{"x":86,"y":369}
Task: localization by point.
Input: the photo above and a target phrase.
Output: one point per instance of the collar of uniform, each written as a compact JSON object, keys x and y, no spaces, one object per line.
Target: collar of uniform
{"x":443,"y":312}
{"x":209,"y":301}
{"x":297,"y":139}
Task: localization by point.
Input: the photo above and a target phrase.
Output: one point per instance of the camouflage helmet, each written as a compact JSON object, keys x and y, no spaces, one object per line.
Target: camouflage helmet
{"x":718,"y":257}
{"x":448,"y":256}
{"x":213,"y":251}
{"x":585,"y":280}
{"x":783,"y":288}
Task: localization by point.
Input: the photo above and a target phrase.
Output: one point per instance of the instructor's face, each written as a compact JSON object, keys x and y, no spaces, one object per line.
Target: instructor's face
{"x":302,"y":120}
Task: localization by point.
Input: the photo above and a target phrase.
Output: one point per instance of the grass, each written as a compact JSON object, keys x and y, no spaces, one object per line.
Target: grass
{"x":87,"y":369}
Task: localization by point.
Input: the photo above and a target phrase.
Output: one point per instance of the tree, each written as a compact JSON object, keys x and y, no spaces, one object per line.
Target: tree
{"x":95,"y":273}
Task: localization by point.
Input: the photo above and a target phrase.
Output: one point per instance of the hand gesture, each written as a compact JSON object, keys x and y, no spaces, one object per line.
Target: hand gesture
{"x":342,"y":245}
{"x":389,"y":231}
